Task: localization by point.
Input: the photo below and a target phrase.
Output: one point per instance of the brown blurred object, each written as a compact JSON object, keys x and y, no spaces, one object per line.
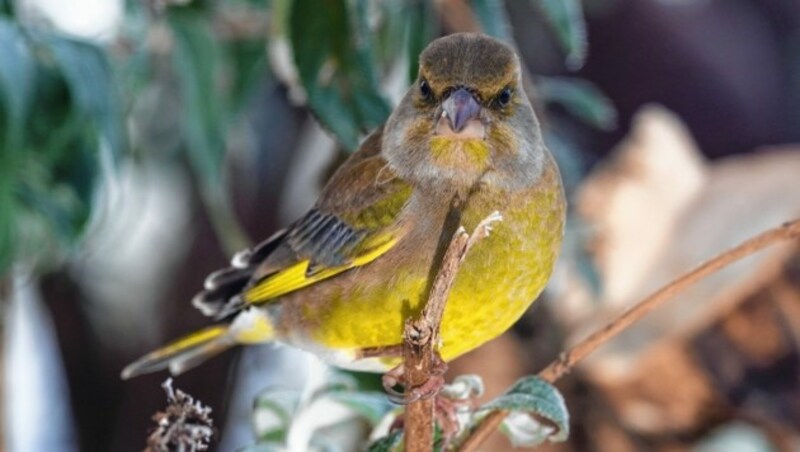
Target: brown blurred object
{"x":728,"y":348}
{"x":725,"y":352}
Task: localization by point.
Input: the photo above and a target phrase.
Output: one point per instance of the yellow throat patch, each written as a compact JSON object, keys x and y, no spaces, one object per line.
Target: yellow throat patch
{"x":465,"y":153}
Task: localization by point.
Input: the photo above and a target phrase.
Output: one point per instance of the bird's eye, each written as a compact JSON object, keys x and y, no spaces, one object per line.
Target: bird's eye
{"x":425,"y":89}
{"x":504,"y":97}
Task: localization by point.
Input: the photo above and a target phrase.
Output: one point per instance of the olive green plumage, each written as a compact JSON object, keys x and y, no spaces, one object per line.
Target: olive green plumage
{"x":340,"y":282}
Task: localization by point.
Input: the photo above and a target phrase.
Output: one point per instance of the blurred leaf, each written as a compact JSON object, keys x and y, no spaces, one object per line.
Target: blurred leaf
{"x":530,"y":401}
{"x":272,"y":414}
{"x":17,"y":75}
{"x":566,"y":18}
{"x":333,"y":54}
{"x":91,"y":83}
{"x":581,"y":98}
{"x":7,"y":8}
{"x":277,"y":412}
{"x":58,"y":205}
{"x":492,"y":16}
{"x":264,"y":447}
{"x":419,"y":32}
{"x":248,"y":61}
{"x":464,"y":387}
{"x":357,"y":391}
{"x":363,"y":381}
{"x":370,"y":405}
{"x":389,"y":443}
{"x":60,"y":99}
{"x":197,"y":59}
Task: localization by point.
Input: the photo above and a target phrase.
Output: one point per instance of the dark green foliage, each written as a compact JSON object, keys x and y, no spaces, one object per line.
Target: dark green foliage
{"x":420,"y":31}
{"x":63,"y":106}
{"x":196,"y":60}
{"x":61,"y":119}
{"x":389,"y":443}
{"x":333,"y":54}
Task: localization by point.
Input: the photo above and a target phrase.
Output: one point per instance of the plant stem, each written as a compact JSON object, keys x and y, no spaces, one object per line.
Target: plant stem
{"x":567,"y":360}
{"x":421,"y":337}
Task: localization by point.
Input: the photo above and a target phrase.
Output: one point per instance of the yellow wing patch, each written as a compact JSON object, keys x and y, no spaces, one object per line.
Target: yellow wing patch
{"x":295,"y":276}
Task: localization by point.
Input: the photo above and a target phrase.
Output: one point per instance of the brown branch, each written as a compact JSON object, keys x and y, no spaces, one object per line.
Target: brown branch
{"x":566,"y":361}
{"x":421,"y":338}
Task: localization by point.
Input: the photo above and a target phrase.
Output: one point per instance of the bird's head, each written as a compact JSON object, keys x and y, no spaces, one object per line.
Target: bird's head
{"x":466,"y":116}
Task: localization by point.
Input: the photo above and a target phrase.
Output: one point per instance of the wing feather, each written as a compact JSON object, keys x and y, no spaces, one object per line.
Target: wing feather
{"x":354,"y":222}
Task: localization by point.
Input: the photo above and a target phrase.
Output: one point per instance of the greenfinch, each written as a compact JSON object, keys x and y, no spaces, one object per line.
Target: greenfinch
{"x":341,"y":281}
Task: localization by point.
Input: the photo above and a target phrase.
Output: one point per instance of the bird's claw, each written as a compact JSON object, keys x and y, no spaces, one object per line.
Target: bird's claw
{"x":429,"y":388}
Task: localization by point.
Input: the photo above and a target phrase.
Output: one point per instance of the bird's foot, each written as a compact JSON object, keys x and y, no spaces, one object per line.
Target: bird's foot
{"x":445,"y":411}
{"x":427,"y":389}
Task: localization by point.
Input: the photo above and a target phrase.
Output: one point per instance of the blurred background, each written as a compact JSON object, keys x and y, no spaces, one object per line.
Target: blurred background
{"x":142,"y":142}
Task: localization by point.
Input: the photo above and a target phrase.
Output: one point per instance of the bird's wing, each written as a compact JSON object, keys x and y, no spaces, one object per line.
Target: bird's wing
{"x":355,"y":221}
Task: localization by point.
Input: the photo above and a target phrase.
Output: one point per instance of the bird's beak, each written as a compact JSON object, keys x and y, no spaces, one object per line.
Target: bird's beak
{"x":460,"y":107}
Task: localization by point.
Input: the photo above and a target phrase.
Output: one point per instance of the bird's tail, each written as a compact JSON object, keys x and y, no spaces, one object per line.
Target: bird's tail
{"x":250,"y":326}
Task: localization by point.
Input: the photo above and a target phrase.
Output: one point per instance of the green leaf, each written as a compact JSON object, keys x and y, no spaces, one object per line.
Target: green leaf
{"x":538,"y":412}
{"x":273,"y":410}
{"x":492,"y":16}
{"x":197,"y":59}
{"x":389,"y":443}
{"x":333,"y":55}
{"x":264,"y":447}
{"x":17,"y":75}
{"x":7,"y":8}
{"x":248,"y":62}
{"x":419,"y":32}
{"x":91,"y":83}
{"x":566,"y":18}
{"x":60,"y":104}
{"x":581,"y":98}
{"x":8,"y":214}
{"x":372,"y":406}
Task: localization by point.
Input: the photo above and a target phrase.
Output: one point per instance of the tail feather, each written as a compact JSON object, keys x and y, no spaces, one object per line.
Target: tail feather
{"x":184,"y":353}
{"x":250,"y":326}
{"x":219,"y":299}
{"x":198,"y":355}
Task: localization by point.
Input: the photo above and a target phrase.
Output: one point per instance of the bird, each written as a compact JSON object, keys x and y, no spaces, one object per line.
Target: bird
{"x":341,"y":281}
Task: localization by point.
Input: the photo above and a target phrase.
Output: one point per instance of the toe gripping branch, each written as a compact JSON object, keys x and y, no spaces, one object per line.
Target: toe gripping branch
{"x":413,"y":391}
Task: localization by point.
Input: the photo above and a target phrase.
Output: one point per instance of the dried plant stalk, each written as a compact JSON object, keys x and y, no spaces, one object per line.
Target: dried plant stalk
{"x":185,"y":425}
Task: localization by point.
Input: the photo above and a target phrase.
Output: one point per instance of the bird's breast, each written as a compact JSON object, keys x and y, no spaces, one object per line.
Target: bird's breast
{"x":502,"y":275}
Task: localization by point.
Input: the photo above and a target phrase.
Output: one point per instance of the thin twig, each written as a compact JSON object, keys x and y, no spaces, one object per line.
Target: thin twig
{"x":421,"y":337}
{"x":566,"y":361}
